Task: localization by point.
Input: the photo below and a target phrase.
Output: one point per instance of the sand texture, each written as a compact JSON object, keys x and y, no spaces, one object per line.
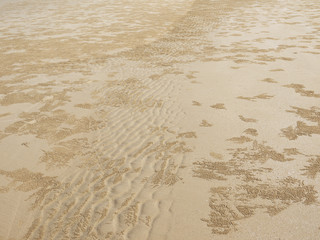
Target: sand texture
{"x":160,"y":119}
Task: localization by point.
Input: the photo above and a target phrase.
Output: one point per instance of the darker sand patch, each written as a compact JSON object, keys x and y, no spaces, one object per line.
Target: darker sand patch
{"x":195,"y":103}
{"x":4,"y":115}
{"x":276,"y":70}
{"x":218,"y":106}
{"x":251,"y":131}
{"x":204,"y":123}
{"x":187,"y":135}
{"x":244,"y":119}
{"x":313,"y":169}
{"x":231,"y":204}
{"x":84,"y":105}
{"x":254,"y":98}
{"x":300,"y":89}
{"x":240,"y":140}
{"x":269,"y":80}
{"x":302,"y":128}
{"x":216,"y":155}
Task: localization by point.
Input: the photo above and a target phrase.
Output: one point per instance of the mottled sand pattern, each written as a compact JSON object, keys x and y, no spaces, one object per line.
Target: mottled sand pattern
{"x":187,"y":119}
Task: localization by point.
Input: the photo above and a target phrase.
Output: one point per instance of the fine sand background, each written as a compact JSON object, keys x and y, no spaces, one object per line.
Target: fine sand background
{"x":158,"y":119}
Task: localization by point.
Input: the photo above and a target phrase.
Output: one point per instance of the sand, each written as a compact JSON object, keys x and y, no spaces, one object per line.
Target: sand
{"x":146,"y":119}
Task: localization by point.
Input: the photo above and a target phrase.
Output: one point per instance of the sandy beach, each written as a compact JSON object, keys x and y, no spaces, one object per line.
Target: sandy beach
{"x":159,"y":119}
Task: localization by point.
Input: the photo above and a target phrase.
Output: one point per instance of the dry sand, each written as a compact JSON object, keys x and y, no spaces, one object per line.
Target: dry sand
{"x":149,"y":119}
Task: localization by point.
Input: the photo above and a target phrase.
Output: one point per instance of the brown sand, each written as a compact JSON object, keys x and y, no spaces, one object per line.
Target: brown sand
{"x":189,"y":119}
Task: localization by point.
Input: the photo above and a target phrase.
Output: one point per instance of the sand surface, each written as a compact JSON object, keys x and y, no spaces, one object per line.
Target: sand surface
{"x":160,"y":119}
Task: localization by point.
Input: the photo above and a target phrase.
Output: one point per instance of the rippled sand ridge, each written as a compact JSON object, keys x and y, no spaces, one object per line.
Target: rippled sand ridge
{"x":158,"y":119}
